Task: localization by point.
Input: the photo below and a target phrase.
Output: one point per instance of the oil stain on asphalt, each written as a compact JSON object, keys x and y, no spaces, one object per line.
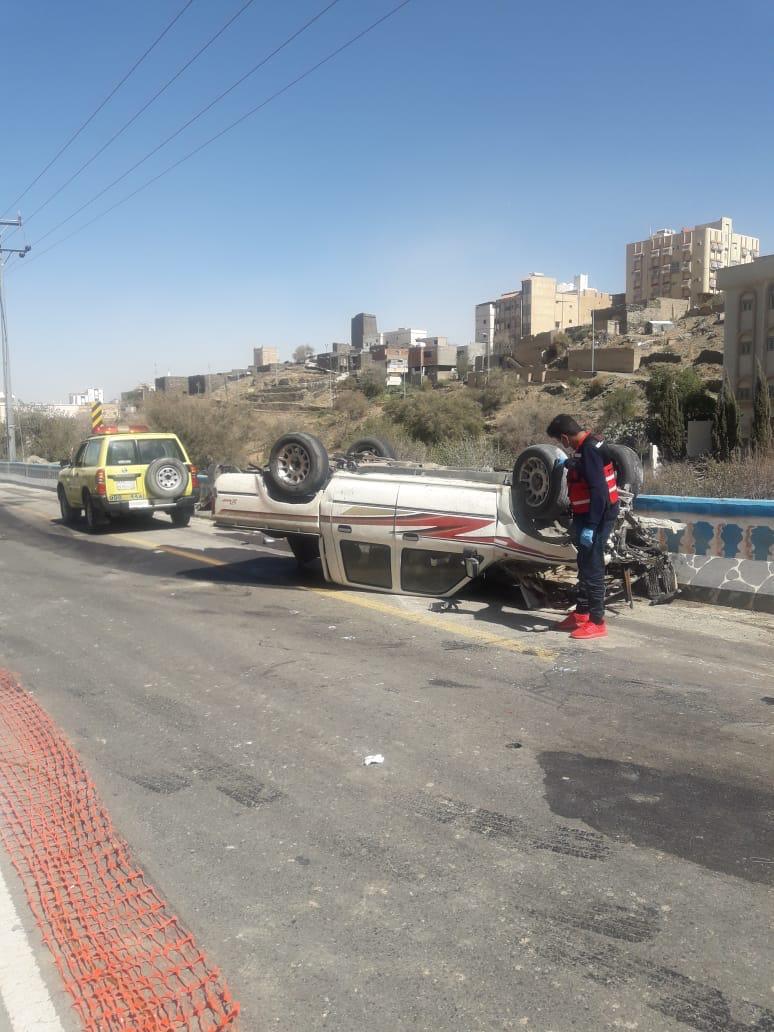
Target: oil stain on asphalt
{"x":729,"y":825}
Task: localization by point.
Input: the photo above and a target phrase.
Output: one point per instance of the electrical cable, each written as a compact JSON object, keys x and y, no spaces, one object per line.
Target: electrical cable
{"x":248,"y":114}
{"x":142,"y":110}
{"x":97,"y":110}
{"x":191,"y":120}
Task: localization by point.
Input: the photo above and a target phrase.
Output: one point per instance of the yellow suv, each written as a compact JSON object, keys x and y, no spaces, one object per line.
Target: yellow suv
{"x":128,"y":470}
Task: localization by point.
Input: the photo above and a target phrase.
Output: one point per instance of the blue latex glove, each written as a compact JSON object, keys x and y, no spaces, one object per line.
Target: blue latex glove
{"x":561,"y":461}
{"x":586,"y":538}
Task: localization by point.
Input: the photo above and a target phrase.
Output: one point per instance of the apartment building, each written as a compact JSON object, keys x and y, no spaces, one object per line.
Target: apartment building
{"x":685,"y":264}
{"x":749,"y":328}
{"x":485,"y":323}
{"x":404,"y":337}
{"x":541,"y":306}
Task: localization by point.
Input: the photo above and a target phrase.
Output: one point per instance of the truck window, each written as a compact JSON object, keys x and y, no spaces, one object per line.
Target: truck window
{"x":367,"y":564}
{"x":425,"y":572}
{"x":91,"y":454}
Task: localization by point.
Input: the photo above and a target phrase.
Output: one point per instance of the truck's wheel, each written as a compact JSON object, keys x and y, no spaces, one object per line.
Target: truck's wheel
{"x":68,"y":512}
{"x":539,"y":488}
{"x":166,"y":478}
{"x":304,"y":547}
{"x":298,"y":466}
{"x":628,"y":467}
{"x":370,"y":447}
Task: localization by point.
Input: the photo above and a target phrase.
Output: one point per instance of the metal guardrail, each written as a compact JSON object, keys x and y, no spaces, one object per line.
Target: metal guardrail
{"x":42,"y":474}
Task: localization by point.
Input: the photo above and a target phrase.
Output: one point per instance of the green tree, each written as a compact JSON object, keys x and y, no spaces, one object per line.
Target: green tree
{"x":733,"y":421}
{"x":672,"y":425}
{"x":619,"y":406}
{"x":760,"y":431}
{"x":463,"y":365}
{"x":686,"y":382}
{"x":720,"y":444}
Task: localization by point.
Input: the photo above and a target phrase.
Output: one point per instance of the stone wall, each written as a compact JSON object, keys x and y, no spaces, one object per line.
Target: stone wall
{"x":724,"y":553}
{"x":606,"y":360}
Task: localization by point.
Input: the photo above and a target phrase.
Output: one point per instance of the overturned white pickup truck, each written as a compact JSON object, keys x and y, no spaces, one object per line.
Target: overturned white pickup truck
{"x":384,"y":525}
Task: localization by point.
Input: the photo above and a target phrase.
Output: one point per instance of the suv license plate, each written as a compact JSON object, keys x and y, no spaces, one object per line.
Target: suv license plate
{"x":125,"y":485}
{"x":139,"y":503}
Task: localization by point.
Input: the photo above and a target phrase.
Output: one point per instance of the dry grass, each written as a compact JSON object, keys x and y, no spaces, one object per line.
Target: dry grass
{"x":747,"y":477}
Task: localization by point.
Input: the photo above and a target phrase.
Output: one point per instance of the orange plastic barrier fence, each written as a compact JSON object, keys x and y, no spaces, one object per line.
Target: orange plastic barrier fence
{"x":125,"y":959}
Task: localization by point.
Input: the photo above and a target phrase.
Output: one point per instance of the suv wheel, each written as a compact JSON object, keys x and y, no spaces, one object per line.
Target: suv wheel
{"x":94,"y":519}
{"x":180,"y":517}
{"x":68,"y":512}
{"x":539,"y":488}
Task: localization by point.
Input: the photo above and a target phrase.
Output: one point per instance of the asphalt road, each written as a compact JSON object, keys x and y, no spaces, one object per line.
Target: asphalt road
{"x":560,"y":837}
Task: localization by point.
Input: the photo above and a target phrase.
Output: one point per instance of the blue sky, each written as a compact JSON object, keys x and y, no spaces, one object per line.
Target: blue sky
{"x":461,"y":145}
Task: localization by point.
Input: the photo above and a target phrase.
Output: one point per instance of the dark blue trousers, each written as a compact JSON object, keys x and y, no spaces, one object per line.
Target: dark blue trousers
{"x":591,"y":569}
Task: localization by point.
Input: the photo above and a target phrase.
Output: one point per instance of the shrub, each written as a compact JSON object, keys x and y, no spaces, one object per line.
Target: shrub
{"x":351,"y":404}
{"x":686,"y":382}
{"x":495,"y":394}
{"x":746,"y":477}
{"x":760,"y":431}
{"x":595,"y":387}
{"x":434,"y":416}
{"x":211,"y":431}
{"x":672,"y":425}
{"x":525,"y":422}
{"x":49,"y":437}
{"x":371,"y":383}
{"x":619,"y":406}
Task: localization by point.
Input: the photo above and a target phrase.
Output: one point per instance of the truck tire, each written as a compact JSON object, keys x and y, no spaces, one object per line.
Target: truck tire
{"x":166,"y":478}
{"x":370,"y":447}
{"x":298,"y":466}
{"x":304,"y":547}
{"x":539,"y":488}
{"x":628,"y":467}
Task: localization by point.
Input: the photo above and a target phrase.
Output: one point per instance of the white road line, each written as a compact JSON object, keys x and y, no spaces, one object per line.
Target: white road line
{"x":22,"y":989}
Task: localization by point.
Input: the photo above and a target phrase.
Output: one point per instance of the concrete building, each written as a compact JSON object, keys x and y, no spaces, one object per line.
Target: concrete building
{"x":364,"y":332}
{"x":749,"y":328}
{"x":434,"y":358}
{"x":404,"y":337}
{"x":265,"y":357}
{"x":172,"y":384}
{"x":685,"y":264}
{"x":507,"y":323}
{"x":88,"y":397}
{"x":485,"y":324}
{"x":543,"y":306}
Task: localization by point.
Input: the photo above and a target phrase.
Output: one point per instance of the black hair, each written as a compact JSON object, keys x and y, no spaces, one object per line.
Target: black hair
{"x":563,"y":424}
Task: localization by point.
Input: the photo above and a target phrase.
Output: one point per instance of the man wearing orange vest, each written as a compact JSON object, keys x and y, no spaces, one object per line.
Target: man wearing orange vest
{"x":593,"y":492}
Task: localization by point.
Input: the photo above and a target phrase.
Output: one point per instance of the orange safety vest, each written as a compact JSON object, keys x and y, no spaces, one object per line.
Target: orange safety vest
{"x":578,"y":487}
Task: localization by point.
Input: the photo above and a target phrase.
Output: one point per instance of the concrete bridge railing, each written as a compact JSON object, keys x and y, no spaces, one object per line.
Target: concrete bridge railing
{"x":725,"y":553}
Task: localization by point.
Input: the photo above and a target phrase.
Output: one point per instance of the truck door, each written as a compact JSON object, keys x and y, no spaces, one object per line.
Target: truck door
{"x":436,"y":524}
{"x":357,"y":515}
{"x":70,"y":478}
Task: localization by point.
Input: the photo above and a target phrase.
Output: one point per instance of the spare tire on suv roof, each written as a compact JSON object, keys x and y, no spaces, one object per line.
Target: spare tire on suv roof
{"x":628,"y":467}
{"x":298,"y":466}
{"x":539,"y":489}
{"x":166,"y":478}
{"x":373,"y":446}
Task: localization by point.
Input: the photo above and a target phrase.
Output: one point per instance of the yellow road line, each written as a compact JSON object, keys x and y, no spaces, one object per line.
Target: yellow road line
{"x":367,"y":601}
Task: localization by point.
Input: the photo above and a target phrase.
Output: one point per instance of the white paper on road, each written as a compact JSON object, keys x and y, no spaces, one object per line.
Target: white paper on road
{"x":376,"y":758}
{"x":22,"y":989}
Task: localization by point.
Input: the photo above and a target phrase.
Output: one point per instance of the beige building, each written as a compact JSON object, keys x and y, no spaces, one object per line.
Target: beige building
{"x":685,"y":264}
{"x":265,"y":356}
{"x":749,"y":328}
{"x":542,"y":306}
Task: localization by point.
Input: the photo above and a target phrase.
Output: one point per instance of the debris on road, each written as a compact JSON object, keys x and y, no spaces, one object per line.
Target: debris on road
{"x":370,"y":760}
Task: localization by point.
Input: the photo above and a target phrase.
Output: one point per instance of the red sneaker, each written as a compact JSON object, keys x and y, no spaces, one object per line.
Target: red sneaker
{"x":590,"y":630}
{"x":572,"y":622}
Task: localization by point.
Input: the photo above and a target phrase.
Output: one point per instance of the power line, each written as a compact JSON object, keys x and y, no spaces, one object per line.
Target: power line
{"x":143,"y":109}
{"x":248,"y":114}
{"x":99,"y":107}
{"x":192,"y":119}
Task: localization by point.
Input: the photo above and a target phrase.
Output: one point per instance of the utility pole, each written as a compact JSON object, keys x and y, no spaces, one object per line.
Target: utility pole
{"x":10,"y":427}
